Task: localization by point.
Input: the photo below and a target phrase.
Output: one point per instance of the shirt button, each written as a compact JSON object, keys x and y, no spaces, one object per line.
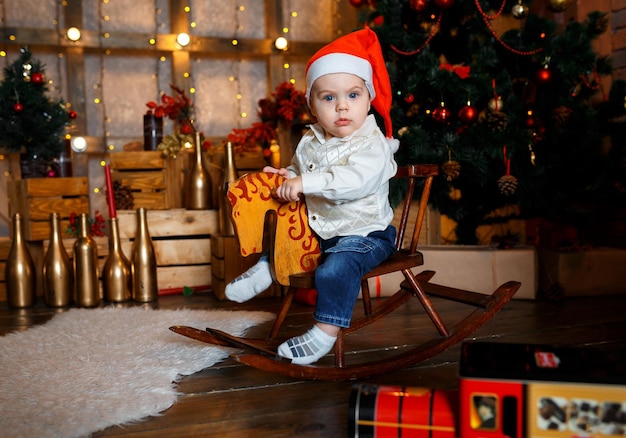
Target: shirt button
{"x":314,"y":217}
{"x":311,"y":166}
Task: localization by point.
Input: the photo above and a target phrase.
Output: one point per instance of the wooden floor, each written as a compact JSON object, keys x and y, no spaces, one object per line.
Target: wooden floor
{"x":231,"y":400}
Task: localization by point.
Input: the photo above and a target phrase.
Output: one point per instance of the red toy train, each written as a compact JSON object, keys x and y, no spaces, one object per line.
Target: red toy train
{"x":505,"y":390}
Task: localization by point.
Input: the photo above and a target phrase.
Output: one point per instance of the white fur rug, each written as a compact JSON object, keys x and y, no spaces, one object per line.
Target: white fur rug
{"x":87,"y":369}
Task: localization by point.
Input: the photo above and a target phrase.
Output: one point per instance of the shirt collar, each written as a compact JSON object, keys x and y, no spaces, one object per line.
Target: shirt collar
{"x":368,"y":127}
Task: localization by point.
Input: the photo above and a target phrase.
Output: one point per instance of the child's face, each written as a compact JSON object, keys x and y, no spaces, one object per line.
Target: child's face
{"x":340,"y":102}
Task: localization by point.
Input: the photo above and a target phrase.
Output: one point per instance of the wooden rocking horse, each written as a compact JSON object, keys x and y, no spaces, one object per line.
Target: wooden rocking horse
{"x":294,"y":253}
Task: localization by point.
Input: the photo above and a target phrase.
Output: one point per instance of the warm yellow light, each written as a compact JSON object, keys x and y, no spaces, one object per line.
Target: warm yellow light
{"x":286,"y":65}
{"x":192,"y":90}
{"x":244,"y":115}
{"x":78,"y":144}
{"x":96,"y":100}
{"x":73,"y":34}
{"x":281,"y":43}
{"x":183,"y":39}
{"x":152,"y":41}
{"x":234,"y":42}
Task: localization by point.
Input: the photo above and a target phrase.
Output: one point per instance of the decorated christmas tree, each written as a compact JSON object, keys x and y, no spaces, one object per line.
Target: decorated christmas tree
{"x":515,"y":117}
{"x":30,"y":121}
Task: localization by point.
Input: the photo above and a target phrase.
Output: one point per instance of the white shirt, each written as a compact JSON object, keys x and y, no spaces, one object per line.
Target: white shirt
{"x":346,"y":180}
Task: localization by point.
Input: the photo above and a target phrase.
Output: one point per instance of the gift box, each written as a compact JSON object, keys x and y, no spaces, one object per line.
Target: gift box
{"x":597,"y":271}
{"x":475,"y":268}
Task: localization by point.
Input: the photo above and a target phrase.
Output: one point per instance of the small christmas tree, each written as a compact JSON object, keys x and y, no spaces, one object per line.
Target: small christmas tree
{"x":30,"y":122}
{"x":508,"y":114}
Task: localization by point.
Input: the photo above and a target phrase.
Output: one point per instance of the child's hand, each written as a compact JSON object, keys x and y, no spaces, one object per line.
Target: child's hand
{"x":290,"y":189}
{"x":282,"y":171}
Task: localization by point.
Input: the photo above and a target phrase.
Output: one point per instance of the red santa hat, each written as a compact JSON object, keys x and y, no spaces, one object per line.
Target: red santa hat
{"x":357,"y":53}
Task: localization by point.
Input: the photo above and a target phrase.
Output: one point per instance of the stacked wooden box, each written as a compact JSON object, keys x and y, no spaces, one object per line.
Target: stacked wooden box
{"x":155,"y":181}
{"x":182,"y":242}
{"x":36,"y":198}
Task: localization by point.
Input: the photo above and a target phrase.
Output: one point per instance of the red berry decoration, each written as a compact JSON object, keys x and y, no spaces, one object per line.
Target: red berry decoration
{"x":409,"y":98}
{"x":418,"y":5}
{"x":73,"y":115}
{"x":358,"y":3}
{"x":18,"y":107}
{"x":37,"y":78}
{"x":468,"y":114}
{"x":444,"y":4}
{"x":543,"y":75}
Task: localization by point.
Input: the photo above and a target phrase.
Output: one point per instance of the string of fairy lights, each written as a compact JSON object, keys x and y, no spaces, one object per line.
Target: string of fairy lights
{"x":96,"y":92}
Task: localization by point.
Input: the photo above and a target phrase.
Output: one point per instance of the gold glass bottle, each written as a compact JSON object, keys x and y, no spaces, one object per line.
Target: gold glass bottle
{"x":144,"y":265}
{"x":198,"y":189}
{"x":230,"y":175}
{"x":58,"y":274}
{"x":20,"y":270}
{"x":86,"y":292}
{"x":117,"y":280}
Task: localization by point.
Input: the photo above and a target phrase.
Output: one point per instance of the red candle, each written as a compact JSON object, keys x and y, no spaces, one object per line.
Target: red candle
{"x":110,"y":194}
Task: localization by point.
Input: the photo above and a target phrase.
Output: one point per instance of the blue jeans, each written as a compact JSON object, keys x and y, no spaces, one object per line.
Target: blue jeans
{"x":345,"y":260}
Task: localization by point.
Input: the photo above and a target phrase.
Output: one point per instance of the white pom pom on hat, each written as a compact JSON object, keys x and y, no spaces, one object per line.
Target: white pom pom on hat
{"x":358,"y":53}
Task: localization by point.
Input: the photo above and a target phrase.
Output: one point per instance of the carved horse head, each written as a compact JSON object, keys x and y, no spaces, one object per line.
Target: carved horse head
{"x":295,"y":247}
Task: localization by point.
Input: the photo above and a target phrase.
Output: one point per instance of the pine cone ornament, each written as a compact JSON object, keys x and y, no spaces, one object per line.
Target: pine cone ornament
{"x":451,"y":169}
{"x":496,"y":120}
{"x":507,"y":184}
{"x":123,"y":196}
{"x":561,"y":115}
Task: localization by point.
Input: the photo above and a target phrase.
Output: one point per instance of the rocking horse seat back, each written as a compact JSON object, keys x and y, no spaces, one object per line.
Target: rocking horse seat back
{"x":254,"y":209}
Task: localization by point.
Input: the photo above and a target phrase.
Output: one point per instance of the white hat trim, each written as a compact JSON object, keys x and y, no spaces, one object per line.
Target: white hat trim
{"x":340,"y":63}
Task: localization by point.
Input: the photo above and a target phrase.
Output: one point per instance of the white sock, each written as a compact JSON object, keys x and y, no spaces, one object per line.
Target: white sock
{"x":251,"y":283}
{"x":307,"y":348}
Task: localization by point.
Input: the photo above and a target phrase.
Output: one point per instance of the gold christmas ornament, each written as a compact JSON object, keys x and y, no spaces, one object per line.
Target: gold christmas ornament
{"x":558,"y":5}
{"x":519,"y":11}
{"x":495,"y":104}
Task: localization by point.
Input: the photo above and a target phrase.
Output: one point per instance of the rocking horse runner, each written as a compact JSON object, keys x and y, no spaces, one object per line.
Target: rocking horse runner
{"x":343,"y":166}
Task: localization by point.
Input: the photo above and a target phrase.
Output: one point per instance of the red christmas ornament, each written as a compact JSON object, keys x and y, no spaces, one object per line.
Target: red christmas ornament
{"x":444,"y":4}
{"x":37,"y":78}
{"x":441,"y":114}
{"x":18,"y":107}
{"x":379,"y":21}
{"x":73,"y":115}
{"x":418,"y":5}
{"x":543,"y":75}
{"x":358,"y":3}
{"x":409,"y":98}
{"x":468,"y":114}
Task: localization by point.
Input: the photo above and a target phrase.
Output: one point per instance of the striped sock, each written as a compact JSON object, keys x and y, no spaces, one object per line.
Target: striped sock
{"x":251,"y":283}
{"x":307,"y":348}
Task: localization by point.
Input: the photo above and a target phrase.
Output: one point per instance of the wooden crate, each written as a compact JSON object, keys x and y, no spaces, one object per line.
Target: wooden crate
{"x":155,"y":181}
{"x":36,"y":198}
{"x":182,"y":241}
{"x":227,"y":263}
